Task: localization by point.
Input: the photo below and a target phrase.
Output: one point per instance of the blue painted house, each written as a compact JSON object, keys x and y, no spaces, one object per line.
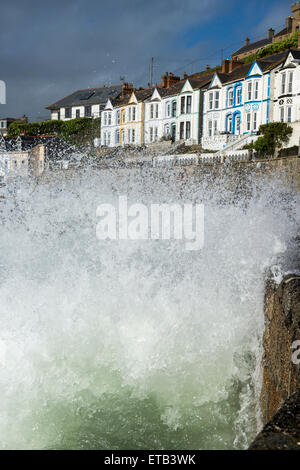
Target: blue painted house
{"x":238,"y":101}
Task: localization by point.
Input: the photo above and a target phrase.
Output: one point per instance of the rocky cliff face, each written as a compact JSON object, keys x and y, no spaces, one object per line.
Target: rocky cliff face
{"x":280,"y":397}
{"x":281,"y":376}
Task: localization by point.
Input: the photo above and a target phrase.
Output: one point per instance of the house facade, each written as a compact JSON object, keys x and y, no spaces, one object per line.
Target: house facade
{"x":85,"y":103}
{"x":238,"y":101}
{"x":287,"y":89}
{"x":122,"y":120}
{"x":292,"y":26}
{"x":20,"y":159}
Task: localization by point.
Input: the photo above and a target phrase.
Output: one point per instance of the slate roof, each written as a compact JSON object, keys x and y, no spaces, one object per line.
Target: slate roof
{"x":266,"y":64}
{"x":282,"y":32}
{"x":253,"y":46}
{"x":87,"y":97}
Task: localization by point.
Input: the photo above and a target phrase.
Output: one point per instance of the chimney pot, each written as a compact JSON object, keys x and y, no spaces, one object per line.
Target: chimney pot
{"x":207,"y":67}
{"x":247,"y":41}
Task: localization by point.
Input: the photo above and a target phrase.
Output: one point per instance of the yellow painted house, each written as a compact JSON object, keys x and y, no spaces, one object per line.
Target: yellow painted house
{"x":122,"y":120}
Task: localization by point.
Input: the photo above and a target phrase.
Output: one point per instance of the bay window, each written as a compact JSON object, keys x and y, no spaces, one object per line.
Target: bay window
{"x":187,"y":129}
{"x":182,"y":105}
{"x":248,"y":122}
{"x":291,"y":76}
{"x":181,"y":131}
{"x":188,"y":104}
{"x":283,"y":80}
{"x":249,"y":91}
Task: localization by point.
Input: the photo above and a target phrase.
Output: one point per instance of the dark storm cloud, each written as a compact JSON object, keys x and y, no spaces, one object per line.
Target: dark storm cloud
{"x":52,"y":48}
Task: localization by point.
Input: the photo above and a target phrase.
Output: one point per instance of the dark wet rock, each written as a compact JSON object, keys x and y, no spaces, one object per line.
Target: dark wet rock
{"x":283,"y":431}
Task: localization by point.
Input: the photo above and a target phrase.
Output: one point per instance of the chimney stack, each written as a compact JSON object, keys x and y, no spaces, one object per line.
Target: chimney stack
{"x":289,"y":24}
{"x":271,"y":33}
{"x":185,"y":76}
{"x":127,"y":88}
{"x":207,"y":67}
{"x":247,"y":42}
{"x":168,"y":79}
{"x":164,"y":80}
{"x":225,"y":66}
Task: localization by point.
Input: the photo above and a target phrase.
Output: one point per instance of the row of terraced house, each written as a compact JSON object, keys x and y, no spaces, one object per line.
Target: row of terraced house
{"x":211,"y":108}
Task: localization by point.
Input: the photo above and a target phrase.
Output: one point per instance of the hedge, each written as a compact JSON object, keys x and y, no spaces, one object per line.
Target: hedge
{"x":75,"y":131}
{"x":274,"y":48}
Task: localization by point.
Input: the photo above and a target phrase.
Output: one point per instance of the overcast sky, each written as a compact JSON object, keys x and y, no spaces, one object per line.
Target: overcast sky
{"x":51,"y":48}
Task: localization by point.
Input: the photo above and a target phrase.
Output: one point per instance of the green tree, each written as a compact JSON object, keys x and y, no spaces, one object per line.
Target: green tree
{"x":274,"y":135}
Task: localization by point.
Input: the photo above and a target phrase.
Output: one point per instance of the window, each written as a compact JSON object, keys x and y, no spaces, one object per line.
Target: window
{"x":118,"y":115}
{"x":174,"y":108}
{"x":182,"y":105}
{"x":249,"y":91}
{"x":173,"y":132}
{"x":117,"y":136}
{"x":189,"y":104}
{"x":291,"y":76}
{"x":210,"y":101}
{"x":229,"y":123}
{"x":156,"y":111}
{"x":151,"y":111}
{"x":133,"y":135}
{"x":68,"y":112}
{"x":109,"y":119}
{"x":15,"y":164}
{"x":187,"y":129}
{"x":217,"y":99}
{"x":282,"y":114}
{"x":215,"y":127}
{"x":168,"y":109}
{"x":230,"y":97}
{"x":105,"y":119}
{"x":181,"y":131}
{"x":256,"y":88}
{"x":155,"y":133}
{"x":167,"y":130}
{"x":254,"y":121}
{"x":283,"y":79}
{"x":129,"y":114}
{"x":133,"y":113}
{"x":108,"y":138}
{"x":209,"y":128}
{"x":151,"y":134}
{"x":123,"y":116}
{"x":237,"y":123}
{"x":58,"y":115}
{"x":248,"y":121}
{"x":128,"y":136}
{"x":88,"y":111}
{"x":289,"y":114}
{"x":238,"y":95}
{"x":77,"y":113}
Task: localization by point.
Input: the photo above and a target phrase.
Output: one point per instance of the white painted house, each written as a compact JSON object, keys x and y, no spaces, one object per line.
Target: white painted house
{"x":176,"y":112}
{"x":84,"y":103}
{"x":238,"y":101}
{"x":287,"y":94}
